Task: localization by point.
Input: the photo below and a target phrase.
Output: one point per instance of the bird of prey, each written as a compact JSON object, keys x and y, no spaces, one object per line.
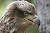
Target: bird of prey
{"x":13,"y":19}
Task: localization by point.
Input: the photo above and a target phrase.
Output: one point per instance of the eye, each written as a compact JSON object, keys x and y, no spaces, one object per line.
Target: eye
{"x":25,"y":13}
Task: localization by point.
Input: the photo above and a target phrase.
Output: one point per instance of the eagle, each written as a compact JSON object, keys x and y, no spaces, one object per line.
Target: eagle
{"x":13,"y":20}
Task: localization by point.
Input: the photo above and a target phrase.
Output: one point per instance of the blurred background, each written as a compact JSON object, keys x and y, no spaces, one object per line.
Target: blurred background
{"x":3,"y":5}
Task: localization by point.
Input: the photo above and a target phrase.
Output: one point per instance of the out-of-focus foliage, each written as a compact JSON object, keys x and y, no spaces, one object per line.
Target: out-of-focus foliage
{"x":32,"y":29}
{"x":31,"y":1}
{"x":3,"y":4}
